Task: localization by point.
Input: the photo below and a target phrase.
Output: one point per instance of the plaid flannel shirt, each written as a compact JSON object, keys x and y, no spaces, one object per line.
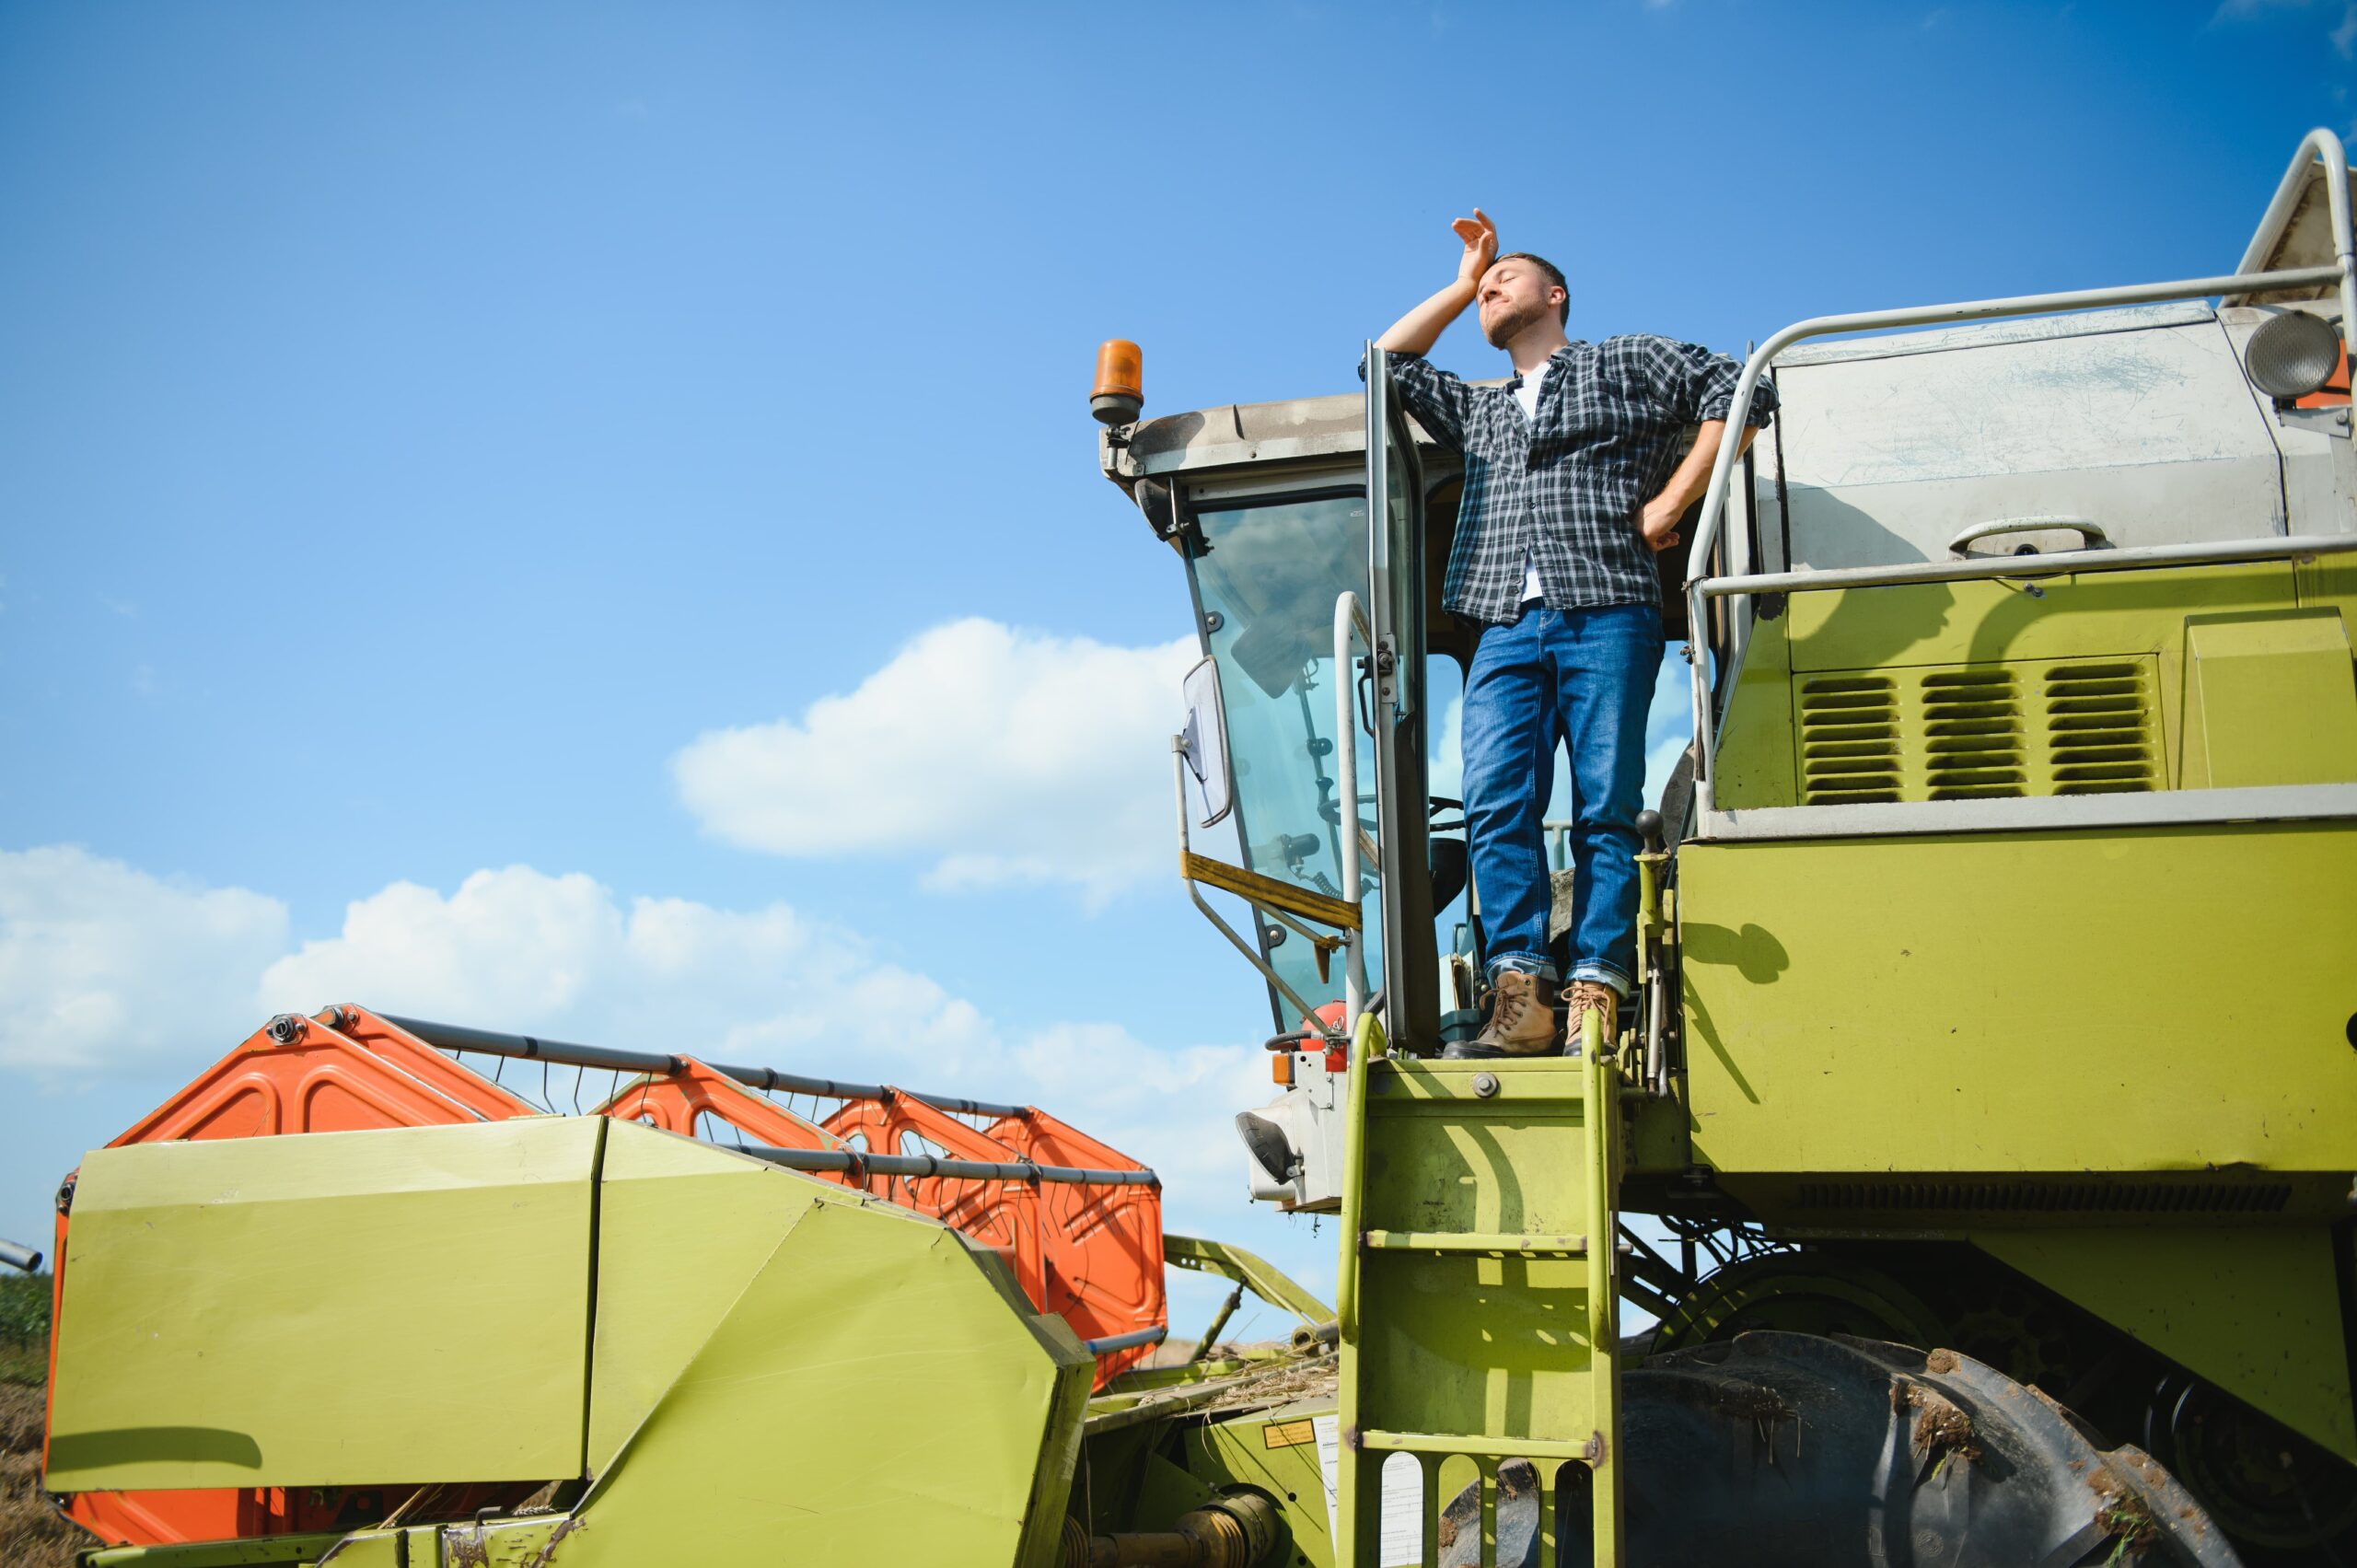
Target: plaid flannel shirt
{"x":1569,"y":487}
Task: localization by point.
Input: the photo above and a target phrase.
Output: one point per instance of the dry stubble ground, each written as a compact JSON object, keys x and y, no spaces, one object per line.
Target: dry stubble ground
{"x":30,"y":1536}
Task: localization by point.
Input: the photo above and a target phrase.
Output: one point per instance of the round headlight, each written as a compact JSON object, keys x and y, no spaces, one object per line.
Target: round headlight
{"x":2293,"y":354}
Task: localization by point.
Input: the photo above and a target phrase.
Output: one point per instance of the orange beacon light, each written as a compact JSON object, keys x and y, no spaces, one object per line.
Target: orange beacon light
{"x":1119,"y":393}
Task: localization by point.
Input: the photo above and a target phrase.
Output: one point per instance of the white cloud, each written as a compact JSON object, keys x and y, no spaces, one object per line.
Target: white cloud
{"x":519,"y":948}
{"x":1002,"y":755}
{"x":103,"y":966}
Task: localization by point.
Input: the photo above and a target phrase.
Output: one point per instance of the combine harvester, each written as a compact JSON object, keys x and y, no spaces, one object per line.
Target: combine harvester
{"x":1992,"y":1070}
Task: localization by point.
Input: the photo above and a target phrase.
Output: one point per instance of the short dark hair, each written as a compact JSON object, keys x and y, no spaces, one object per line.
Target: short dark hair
{"x":1554,"y":277}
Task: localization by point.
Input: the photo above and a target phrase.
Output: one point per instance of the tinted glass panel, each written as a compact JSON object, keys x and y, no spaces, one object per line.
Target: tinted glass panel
{"x":1271,"y":575}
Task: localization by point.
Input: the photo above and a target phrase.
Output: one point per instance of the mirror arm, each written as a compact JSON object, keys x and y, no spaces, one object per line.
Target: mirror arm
{"x":1178,"y":787}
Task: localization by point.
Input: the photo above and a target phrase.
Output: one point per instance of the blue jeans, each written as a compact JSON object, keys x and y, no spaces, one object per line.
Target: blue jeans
{"x":1585,"y":676}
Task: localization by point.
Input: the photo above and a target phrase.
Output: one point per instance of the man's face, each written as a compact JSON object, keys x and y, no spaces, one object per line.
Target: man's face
{"x":1515,"y":295}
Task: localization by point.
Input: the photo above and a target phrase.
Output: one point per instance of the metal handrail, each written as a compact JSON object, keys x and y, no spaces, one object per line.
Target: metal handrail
{"x":661,"y":1064}
{"x":2318,"y":143}
{"x":858,"y":1163}
{"x":2058,"y":563}
{"x":1351,"y":627}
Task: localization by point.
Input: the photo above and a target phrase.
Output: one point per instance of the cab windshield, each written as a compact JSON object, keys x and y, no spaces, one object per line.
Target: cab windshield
{"x":1267,"y":573}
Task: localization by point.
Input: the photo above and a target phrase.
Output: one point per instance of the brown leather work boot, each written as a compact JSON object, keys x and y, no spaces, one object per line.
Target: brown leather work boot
{"x":1591,"y":995}
{"x":1522,"y":1021}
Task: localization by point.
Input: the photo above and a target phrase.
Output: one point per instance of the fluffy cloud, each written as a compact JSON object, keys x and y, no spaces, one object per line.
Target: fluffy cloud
{"x":103,"y":964}
{"x":561,"y":956}
{"x":1000,"y":755}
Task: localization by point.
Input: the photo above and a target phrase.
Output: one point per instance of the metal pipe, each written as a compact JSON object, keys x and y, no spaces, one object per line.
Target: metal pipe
{"x":2318,"y":144}
{"x":794,"y":1083}
{"x":564,"y":1054}
{"x":18,"y":1257}
{"x":2061,"y":563}
{"x":852,"y":1162}
{"x":1309,"y":1336}
{"x":1210,"y":1336}
{"x":1349,"y":618}
{"x":1130,"y":1341}
{"x":1714,"y":493}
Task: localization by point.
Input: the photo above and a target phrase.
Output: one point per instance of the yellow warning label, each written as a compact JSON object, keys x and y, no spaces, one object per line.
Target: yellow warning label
{"x":1288,"y":1434}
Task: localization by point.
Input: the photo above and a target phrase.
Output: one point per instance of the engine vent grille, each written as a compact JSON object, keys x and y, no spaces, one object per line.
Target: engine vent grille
{"x":1979,"y":731}
{"x":1850,"y":739}
{"x":2054,"y":1197}
{"x":2099,"y":729}
{"x":1972,"y":735}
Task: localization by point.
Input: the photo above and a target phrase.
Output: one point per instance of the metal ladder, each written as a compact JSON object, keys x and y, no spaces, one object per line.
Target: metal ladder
{"x":1477,"y":1307}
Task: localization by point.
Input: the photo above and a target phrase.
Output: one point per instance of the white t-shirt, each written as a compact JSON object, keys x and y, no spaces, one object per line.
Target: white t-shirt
{"x":1527,"y":396}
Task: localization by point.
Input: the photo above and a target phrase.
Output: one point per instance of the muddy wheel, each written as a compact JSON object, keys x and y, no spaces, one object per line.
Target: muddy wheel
{"x":1778,"y":1449}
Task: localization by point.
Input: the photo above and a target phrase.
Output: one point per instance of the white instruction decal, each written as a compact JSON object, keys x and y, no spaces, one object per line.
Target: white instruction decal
{"x":1403,"y":1497}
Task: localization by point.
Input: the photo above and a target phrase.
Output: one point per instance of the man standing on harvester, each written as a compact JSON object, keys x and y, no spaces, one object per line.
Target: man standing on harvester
{"x":1571,"y":482}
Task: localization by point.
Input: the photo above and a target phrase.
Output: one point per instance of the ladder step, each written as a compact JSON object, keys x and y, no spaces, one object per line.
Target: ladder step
{"x":1477,"y":1447}
{"x":1474,"y":1241}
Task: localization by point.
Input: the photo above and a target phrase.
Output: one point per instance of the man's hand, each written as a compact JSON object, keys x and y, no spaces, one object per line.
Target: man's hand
{"x":1659,"y":522}
{"x":1480,"y":237}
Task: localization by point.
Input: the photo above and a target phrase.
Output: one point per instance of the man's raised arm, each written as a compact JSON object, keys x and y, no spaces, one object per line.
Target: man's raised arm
{"x":1420,"y":328}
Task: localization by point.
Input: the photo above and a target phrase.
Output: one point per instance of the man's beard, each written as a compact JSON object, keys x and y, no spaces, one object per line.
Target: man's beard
{"x":1508,"y":326}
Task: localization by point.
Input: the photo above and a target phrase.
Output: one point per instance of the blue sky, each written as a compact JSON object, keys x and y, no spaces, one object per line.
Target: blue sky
{"x":584,"y":518}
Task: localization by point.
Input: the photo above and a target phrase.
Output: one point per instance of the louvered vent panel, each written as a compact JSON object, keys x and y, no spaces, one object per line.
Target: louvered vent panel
{"x":1972,"y":735}
{"x":2099,"y":727}
{"x":1994,"y":731}
{"x":1850,"y":739}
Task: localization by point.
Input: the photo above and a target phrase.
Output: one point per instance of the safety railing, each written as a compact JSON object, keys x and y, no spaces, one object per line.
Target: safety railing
{"x":2318,"y":145}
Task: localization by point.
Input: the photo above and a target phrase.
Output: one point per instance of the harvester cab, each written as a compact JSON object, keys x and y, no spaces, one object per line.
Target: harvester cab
{"x":1994,"y":936}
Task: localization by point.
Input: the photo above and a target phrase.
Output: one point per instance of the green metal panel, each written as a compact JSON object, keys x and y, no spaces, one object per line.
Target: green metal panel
{"x":2330,"y":581}
{"x":2268,"y":699}
{"x":2110,"y":614}
{"x":682,"y":1229}
{"x":2071,"y":632}
{"x":334,"y":1309}
{"x":2129,"y":1000}
{"x":875,"y":1389}
{"x":1755,"y":756}
{"x":2255,"y":1309}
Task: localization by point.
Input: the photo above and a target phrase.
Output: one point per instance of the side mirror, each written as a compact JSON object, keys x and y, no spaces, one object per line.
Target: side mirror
{"x":1204,"y":742}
